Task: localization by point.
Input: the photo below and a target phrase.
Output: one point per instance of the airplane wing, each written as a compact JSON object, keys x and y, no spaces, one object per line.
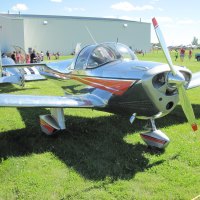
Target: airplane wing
{"x":32,"y":71}
{"x":29,"y":73}
{"x":60,"y":66}
{"x":69,"y":101}
{"x":9,"y":68}
{"x":195,"y":82}
{"x":31,"y":68}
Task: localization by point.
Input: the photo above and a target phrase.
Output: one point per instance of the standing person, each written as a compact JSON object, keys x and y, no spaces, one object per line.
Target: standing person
{"x":17,"y":57}
{"x":182,"y":54}
{"x":190,"y":54}
{"x":58,"y":55}
{"x":13,"y":56}
{"x":42,"y":55}
{"x":48,"y":55}
{"x":38,"y":57}
{"x":27,"y":58}
{"x":176,"y":54}
{"x":33,"y":56}
{"x":22,"y":57}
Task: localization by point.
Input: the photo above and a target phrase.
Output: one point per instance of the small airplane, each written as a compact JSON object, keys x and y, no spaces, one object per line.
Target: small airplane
{"x":111,"y":78}
{"x":29,"y":72}
{"x":14,"y":75}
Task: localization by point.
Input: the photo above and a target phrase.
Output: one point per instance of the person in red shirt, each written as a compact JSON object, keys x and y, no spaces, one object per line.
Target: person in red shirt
{"x":190,"y":54}
{"x":17,"y":57}
{"x":28,"y":58}
{"x":182,"y":54}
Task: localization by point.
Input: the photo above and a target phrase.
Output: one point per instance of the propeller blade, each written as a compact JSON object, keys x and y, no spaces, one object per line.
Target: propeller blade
{"x":163,"y":45}
{"x":184,"y":100}
{"x":187,"y":107}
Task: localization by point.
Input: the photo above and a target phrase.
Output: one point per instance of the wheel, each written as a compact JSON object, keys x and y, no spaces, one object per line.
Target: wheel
{"x":198,"y":58}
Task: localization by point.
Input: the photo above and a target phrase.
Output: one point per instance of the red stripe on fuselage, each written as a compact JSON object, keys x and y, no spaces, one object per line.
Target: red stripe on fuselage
{"x":117,"y":87}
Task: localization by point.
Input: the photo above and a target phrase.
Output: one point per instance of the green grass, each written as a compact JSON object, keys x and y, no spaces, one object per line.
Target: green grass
{"x":99,"y":156}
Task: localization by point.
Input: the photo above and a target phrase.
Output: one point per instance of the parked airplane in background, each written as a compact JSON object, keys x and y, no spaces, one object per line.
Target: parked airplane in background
{"x":16,"y":75}
{"x":111,"y":78}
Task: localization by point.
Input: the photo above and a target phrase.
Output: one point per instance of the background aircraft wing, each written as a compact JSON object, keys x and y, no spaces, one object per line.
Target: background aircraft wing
{"x":195,"y":82}
{"x":28,"y":69}
{"x":69,"y":101}
{"x":29,"y":73}
{"x":61,"y":65}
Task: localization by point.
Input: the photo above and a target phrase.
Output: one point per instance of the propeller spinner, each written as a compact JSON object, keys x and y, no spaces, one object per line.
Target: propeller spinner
{"x":177,"y":78}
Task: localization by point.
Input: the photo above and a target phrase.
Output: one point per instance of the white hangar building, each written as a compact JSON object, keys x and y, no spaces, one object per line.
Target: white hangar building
{"x":62,"y":33}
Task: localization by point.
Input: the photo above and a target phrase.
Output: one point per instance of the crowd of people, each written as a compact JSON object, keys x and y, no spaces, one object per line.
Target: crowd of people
{"x":182,"y":54}
{"x":32,"y":57}
{"x":37,"y":57}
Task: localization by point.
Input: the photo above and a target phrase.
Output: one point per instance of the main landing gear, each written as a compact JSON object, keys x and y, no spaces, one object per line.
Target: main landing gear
{"x":153,"y":137}
{"x":54,"y":122}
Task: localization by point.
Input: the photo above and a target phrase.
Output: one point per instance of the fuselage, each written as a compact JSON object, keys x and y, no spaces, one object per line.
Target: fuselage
{"x":126,"y":85}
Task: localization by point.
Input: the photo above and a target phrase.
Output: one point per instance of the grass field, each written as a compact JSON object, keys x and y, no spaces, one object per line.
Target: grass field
{"x":100,"y":155}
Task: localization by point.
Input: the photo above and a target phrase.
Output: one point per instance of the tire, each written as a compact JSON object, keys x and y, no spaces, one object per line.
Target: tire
{"x":198,"y":58}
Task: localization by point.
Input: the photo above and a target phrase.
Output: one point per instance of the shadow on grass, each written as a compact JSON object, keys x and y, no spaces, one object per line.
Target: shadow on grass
{"x":177,"y":116}
{"x":73,"y":89}
{"x":94,"y":147}
{"x":8,"y":88}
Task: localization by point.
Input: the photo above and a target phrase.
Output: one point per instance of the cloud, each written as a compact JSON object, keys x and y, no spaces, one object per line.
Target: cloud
{"x":154,"y":1}
{"x":68,"y":9}
{"x":187,"y":21}
{"x":57,"y":1}
{"x":126,"y":6}
{"x":19,"y":7}
{"x":160,"y":9}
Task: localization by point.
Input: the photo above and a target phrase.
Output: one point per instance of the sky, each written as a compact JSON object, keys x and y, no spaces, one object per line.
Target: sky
{"x":178,"y":20}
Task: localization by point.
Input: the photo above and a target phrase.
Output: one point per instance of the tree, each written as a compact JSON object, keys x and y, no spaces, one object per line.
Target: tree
{"x":195,"y":41}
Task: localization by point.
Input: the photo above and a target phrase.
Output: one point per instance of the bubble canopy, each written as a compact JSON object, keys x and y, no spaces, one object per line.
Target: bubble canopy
{"x":93,"y":56}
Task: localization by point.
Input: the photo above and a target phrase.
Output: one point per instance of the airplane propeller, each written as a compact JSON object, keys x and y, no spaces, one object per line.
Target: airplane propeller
{"x":176,"y":78}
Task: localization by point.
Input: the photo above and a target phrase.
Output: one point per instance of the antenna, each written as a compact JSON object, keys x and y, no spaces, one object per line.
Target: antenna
{"x":91,"y":35}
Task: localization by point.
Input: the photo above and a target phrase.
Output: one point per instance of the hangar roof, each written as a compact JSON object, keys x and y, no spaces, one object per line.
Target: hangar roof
{"x":65,"y":17}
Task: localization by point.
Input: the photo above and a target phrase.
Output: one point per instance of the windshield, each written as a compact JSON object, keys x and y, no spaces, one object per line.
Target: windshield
{"x":125,"y":52}
{"x":100,"y":56}
{"x":82,"y":57}
{"x":97,"y":55}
